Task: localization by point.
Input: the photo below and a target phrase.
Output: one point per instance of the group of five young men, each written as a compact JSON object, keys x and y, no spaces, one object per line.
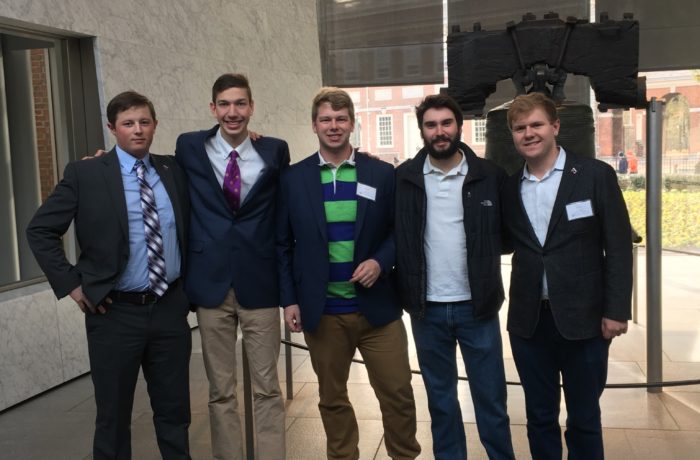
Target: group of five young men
{"x":342,"y":242}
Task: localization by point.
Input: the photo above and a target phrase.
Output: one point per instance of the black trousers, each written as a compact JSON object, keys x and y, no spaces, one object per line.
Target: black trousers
{"x":583,"y":367}
{"x":157,"y":338}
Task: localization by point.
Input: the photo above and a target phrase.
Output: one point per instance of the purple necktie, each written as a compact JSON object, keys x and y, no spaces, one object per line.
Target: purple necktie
{"x":232,"y":182}
{"x":157,"y":280}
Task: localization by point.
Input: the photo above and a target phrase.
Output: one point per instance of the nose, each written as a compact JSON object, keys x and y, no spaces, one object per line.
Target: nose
{"x":138,"y":127}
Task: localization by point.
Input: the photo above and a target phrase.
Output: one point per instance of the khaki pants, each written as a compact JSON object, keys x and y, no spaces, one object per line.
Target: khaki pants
{"x":385,"y":352}
{"x":261,"y":337}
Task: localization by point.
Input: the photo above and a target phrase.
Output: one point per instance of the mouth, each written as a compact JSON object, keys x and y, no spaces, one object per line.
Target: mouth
{"x":334,"y":137}
{"x":532,"y":144}
{"x":233,"y":124}
{"x":441,"y":143}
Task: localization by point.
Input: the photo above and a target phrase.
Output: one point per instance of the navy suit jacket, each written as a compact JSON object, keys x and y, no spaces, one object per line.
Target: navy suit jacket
{"x":91,"y":194}
{"x":302,"y":242}
{"x":588,"y":260}
{"x":227,"y":251}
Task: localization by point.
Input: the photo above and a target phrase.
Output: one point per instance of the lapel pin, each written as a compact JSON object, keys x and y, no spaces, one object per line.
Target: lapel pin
{"x":573,"y":171}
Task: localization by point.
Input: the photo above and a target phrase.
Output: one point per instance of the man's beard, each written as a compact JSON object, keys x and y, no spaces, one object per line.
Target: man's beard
{"x":443,"y":154}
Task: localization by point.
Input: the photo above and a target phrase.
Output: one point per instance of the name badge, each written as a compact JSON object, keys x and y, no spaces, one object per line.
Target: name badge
{"x":579,"y":210}
{"x":366,"y":191}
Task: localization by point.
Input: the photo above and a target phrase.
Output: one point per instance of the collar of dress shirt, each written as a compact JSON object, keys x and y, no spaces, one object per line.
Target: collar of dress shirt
{"x":558,"y":166}
{"x":127,"y":161}
{"x":224,"y":148}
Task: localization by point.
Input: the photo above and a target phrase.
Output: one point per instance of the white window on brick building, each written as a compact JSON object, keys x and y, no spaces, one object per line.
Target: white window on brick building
{"x":479,"y":131}
{"x":385,"y":131}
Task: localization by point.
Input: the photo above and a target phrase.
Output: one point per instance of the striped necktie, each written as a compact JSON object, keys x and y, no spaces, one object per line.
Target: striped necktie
{"x":232,"y":182}
{"x":157,"y":280}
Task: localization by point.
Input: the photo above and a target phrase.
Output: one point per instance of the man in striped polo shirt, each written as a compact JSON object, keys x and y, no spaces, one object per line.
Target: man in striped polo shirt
{"x":336,"y":254}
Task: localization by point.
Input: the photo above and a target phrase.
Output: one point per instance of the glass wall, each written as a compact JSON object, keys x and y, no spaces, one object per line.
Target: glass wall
{"x":47,"y":93}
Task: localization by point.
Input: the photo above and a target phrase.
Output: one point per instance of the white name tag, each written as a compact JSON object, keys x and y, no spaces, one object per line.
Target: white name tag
{"x":579,"y":209}
{"x":365,"y":191}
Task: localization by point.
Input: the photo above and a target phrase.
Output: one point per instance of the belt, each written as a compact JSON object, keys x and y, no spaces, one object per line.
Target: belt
{"x":139,"y":297}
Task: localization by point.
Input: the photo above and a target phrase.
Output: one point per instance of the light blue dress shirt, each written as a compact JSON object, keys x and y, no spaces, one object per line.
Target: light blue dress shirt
{"x":135,"y":275}
{"x":538,"y":198}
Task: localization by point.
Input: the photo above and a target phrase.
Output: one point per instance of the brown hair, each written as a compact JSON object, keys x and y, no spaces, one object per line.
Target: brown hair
{"x":438,"y":101}
{"x":125,"y":101}
{"x":230,"y":80}
{"x":338,"y":99}
{"x":526,"y":103}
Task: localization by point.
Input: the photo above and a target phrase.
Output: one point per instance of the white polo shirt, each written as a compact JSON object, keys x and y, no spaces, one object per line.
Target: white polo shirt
{"x":445,"y":241}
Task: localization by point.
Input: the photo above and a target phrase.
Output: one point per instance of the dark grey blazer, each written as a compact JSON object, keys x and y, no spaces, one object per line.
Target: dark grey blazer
{"x":91,"y":193}
{"x":588,"y":260}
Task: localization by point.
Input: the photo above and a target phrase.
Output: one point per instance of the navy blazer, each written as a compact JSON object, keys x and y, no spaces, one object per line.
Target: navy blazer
{"x":227,"y":251}
{"x":91,"y":193}
{"x":588,"y":260}
{"x":302,"y":242}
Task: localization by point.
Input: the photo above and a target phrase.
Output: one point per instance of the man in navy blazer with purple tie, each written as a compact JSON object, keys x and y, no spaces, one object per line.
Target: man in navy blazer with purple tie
{"x":231,"y":276}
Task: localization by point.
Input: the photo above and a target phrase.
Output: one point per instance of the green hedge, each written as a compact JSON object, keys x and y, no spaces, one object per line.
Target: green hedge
{"x":680,"y":222}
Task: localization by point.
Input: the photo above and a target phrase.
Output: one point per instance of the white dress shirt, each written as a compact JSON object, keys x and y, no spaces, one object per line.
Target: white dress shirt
{"x":250,"y":162}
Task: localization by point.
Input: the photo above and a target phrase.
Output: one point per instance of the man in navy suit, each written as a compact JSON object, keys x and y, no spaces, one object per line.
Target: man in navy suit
{"x":130,"y":210}
{"x":571,"y":280}
{"x":336,"y":255}
{"x":231,"y":276}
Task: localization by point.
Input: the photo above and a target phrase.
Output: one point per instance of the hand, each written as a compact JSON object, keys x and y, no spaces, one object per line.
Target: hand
{"x":292,"y":317}
{"x":611,"y":328}
{"x":366,"y":273}
{"x":254,"y":136}
{"x":83,"y":302}
{"x":98,"y":153}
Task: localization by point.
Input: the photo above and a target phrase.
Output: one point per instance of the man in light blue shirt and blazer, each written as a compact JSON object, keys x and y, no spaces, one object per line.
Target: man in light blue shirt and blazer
{"x":130,"y":209}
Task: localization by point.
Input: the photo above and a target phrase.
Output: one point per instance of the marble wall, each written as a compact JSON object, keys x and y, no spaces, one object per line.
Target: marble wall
{"x":172,"y":52}
{"x":42,"y":343}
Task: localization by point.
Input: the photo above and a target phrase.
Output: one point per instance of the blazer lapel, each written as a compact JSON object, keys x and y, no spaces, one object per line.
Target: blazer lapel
{"x":522,"y":212}
{"x":364,"y":174}
{"x":314,"y":192}
{"x":203,"y":158}
{"x":567,"y":185}
{"x":115,"y":186}
{"x":268,"y":158}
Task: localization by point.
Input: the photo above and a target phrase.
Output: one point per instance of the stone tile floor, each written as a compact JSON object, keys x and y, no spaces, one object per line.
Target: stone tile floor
{"x":637,"y":424}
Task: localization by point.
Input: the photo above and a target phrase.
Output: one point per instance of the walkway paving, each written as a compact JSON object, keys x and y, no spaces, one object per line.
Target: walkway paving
{"x":637,"y":424}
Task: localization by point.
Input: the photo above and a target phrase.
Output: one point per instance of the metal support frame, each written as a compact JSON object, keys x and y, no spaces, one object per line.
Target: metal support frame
{"x":653,"y":251}
{"x":635,"y":283}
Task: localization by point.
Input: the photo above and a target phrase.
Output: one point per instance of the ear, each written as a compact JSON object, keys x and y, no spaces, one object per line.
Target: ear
{"x":556,"y":126}
{"x":111,"y":128}
{"x":212,"y":108}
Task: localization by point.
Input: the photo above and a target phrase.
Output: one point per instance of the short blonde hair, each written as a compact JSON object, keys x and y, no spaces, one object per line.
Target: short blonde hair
{"x":338,"y":99}
{"x":526,"y":103}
